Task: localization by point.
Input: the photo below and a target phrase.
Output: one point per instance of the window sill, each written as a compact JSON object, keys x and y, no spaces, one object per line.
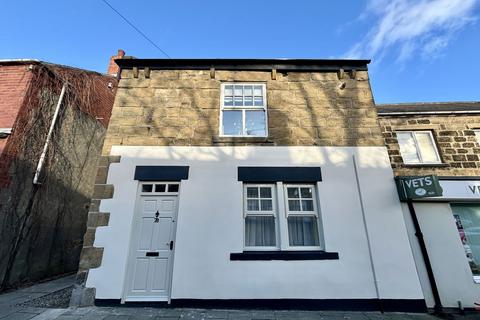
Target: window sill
{"x":283,"y":255}
{"x":426,"y":165}
{"x":263,"y":140}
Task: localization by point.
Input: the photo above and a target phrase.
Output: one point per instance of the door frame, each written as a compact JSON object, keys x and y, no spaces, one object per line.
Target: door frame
{"x":131,"y":252}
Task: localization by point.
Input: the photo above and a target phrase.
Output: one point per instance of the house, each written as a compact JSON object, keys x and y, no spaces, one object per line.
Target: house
{"x":441,"y":139}
{"x":254,"y":182}
{"x":53,"y":121}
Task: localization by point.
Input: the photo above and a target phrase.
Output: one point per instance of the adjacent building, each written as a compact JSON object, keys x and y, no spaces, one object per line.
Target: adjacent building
{"x":53,"y":121}
{"x":228,"y":182}
{"x":441,"y":139}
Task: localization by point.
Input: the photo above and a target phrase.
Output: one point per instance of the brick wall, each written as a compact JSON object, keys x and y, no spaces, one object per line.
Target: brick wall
{"x":454,"y":136}
{"x":13,"y":84}
{"x":182,"y":107}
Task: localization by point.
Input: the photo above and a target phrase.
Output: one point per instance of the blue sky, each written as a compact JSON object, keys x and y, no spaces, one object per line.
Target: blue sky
{"x":421,"y":50}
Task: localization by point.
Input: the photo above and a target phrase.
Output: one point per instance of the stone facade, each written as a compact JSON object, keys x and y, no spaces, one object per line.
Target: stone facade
{"x":182,"y":107}
{"x":458,"y":147}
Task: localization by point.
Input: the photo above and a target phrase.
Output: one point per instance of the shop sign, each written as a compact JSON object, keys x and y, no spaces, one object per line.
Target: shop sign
{"x":417,"y":187}
{"x":461,"y":190}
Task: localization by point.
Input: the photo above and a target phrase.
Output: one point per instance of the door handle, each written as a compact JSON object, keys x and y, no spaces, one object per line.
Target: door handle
{"x":171,"y":245}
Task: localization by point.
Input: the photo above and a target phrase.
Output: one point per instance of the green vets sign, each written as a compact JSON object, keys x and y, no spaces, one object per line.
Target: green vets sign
{"x":417,"y":187}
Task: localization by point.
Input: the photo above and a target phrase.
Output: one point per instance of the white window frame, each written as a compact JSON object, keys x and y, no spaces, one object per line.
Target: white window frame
{"x":281,"y":213}
{"x":417,"y":146}
{"x":260,"y":213}
{"x":263,"y":108}
{"x":314,"y":213}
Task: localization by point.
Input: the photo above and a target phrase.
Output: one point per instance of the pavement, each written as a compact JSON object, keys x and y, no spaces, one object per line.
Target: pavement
{"x":14,"y":306}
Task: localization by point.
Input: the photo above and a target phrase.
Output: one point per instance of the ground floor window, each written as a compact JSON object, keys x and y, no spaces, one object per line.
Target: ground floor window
{"x":467,"y":218}
{"x":265,"y":217}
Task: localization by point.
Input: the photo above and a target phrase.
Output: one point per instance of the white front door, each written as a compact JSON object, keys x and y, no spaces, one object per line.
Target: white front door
{"x":151,"y":252}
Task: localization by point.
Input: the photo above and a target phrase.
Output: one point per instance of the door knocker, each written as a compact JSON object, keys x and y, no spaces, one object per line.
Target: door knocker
{"x":156,"y":220}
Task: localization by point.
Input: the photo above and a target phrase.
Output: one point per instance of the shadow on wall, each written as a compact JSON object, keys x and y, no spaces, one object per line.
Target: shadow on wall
{"x":42,"y":226}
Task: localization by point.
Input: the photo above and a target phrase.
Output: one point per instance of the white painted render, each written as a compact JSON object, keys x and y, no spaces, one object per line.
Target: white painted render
{"x":210,"y":226}
{"x":450,"y":266}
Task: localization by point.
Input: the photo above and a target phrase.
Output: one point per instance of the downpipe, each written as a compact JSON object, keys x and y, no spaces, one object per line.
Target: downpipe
{"x":49,"y":136}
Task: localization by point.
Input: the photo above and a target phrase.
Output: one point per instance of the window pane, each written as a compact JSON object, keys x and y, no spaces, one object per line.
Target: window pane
{"x":238,"y":90}
{"x":238,"y":101}
{"x":306,"y":192}
{"x":467,"y":218}
{"x":294,"y":205}
{"x":147,"y":188}
{"x":228,"y":91}
{"x":232,"y":123}
{"x":303,"y":231}
{"x":257,"y":91}
{"x":266,"y":205}
{"x":255,"y":123}
{"x":293,"y":193}
{"x":173,"y":188}
{"x":307,"y":205}
{"x":228,"y":101}
{"x":427,"y":148}
{"x":260,"y":231}
{"x":407,"y":147}
{"x":248,"y":90}
{"x":248,"y":101}
{"x":252,"y":192}
{"x":160,"y":188}
{"x":265,"y":192}
{"x":252,"y":205}
{"x":258,"y":101}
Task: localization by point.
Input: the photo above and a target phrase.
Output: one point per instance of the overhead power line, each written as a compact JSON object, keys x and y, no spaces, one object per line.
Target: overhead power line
{"x":136,"y":29}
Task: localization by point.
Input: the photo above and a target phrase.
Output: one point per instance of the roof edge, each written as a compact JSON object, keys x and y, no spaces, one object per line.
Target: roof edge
{"x":246,"y":64}
{"x":429,"y":108}
{"x":40,"y":62}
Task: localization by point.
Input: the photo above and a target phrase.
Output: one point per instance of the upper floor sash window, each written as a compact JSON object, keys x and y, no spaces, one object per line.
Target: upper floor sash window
{"x":243,"y":110}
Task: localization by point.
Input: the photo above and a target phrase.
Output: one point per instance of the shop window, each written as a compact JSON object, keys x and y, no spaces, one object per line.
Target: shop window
{"x":243,"y":110}
{"x":418,"y":147}
{"x":467,"y":219}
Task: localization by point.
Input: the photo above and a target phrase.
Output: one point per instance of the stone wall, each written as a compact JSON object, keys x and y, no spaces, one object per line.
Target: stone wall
{"x":454,"y":136}
{"x":182,"y":107}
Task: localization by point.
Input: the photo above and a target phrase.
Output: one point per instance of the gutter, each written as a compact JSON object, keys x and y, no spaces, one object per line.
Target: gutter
{"x":49,"y":136}
{"x":407,"y":113}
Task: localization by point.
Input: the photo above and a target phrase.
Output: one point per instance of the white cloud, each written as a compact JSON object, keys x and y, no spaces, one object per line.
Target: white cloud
{"x":412,"y":26}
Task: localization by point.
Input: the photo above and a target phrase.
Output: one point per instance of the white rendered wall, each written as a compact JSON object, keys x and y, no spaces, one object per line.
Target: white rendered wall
{"x":452,"y":273}
{"x":210,"y":226}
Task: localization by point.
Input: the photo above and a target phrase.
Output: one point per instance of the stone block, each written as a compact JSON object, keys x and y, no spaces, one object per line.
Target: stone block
{"x":324,"y":76}
{"x":90,"y":258}
{"x":89,"y":237}
{"x":82,"y":296}
{"x":247,"y":76}
{"x":102,"y":191}
{"x":101,"y":177}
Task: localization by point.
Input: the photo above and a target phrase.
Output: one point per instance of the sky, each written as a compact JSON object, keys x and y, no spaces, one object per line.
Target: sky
{"x":421,"y":50}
